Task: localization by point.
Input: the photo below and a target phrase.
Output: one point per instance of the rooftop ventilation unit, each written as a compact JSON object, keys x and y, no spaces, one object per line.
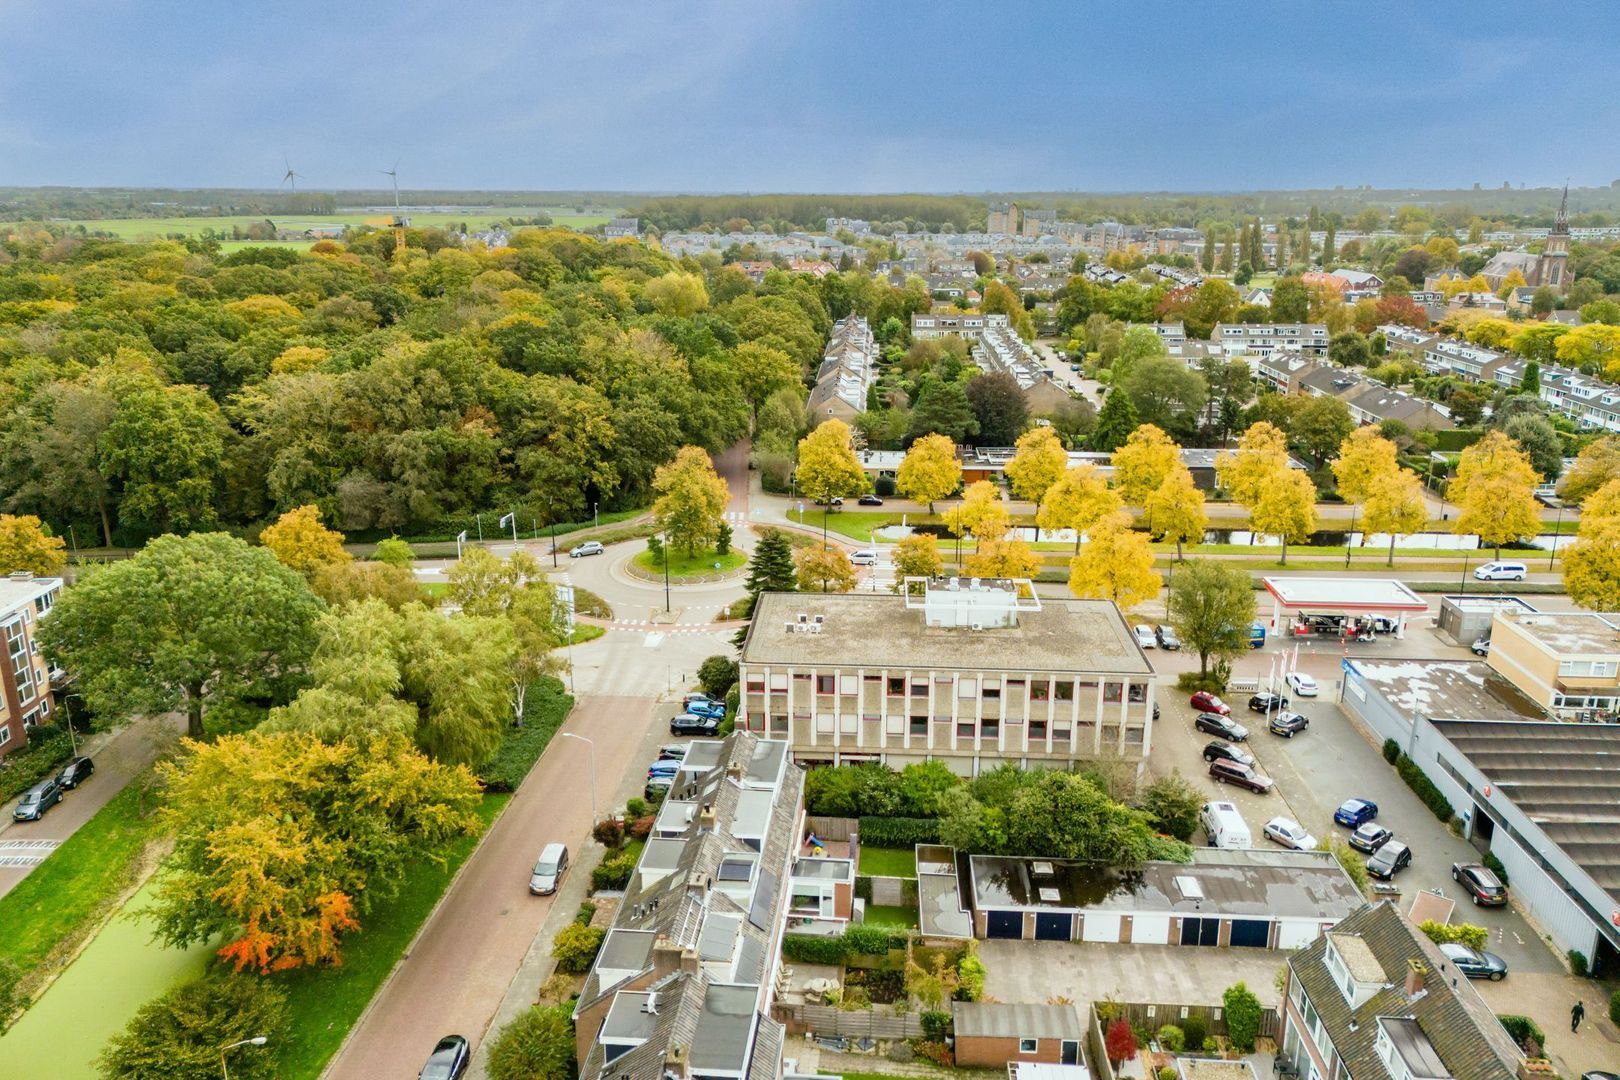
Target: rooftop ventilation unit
{"x":1189,"y":887}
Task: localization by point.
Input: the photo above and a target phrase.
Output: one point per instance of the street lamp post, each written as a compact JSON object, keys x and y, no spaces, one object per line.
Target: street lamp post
{"x":257,"y":1040}
{"x":1350,"y":536}
{"x":666,"y":572}
{"x":552,"y":518}
{"x":592,"y":746}
{"x":1553,"y":554}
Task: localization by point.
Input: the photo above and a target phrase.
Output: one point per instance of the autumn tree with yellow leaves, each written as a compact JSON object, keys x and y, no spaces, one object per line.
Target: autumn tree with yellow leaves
{"x":1176,"y":509}
{"x":1116,"y":564}
{"x":692,"y":500}
{"x":823,"y":569}
{"x":1286,"y":509}
{"x":1592,"y":563}
{"x":1494,"y":492}
{"x":25,"y":545}
{"x":1079,"y":499}
{"x":302,"y":543}
{"x":1037,"y":464}
{"x":828,"y":468}
{"x":930,"y":471}
{"x":1394,"y":505}
{"x":1143,"y":463}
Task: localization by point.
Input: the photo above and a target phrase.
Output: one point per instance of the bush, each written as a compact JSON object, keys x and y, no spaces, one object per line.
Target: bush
{"x":883,"y":486}
{"x":811,"y":949}
{"x":614,"y":871}
{"x":970,"y":974}
{"x":178,"y":1036}
{"x":1166,"y":1072}
{"x":936,"y":1024}
{"x":863,"y":940}
{"x":1191,"y":682}
{"x":576,"y":946}
{"x":1577,"y":963}
{"x":48,"y":747}
{"x":1242,"y":1017}
{"x":586,"y":912}
{"x":636,"y":807}
{"x":1419,"y":782}
{"x":717,"y":675}
{"x":609,"y":832}
{"x":1194,"y":1030}
{"x":898,"y":832}
{"x":1524,"y":1030}
{"x":1614,"y":1006}
{"x":1475,"y":937}
{"x":863,"y":888}
{"x":1172,"y":1039}
{"x":642,"y":827}
{"x":1392,"y":751}
{"x":1494,"y":865}
{"x":1120,"y":1043}
{"x":546,"y":706}
{"x":539,"y":1045}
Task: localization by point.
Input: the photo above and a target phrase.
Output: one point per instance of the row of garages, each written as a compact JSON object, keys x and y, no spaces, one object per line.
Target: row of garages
{"x":1113,"y":928}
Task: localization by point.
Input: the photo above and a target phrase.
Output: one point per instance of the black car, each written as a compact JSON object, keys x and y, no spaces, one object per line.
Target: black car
{"x":38,"y":799}
{"x":1223,"y":726}
{"x":1370,"y":836}
{"x":1265,"y":701}
{"x":1484,"y":888}
{"x":448,"y":1060}
{"x":690,"y":724}
{"x":75,"y":772}
{"x":1389,"y":860}
{"x":1215,"y":750}
{"x":869,"y":500}
{"x":1287,"y":724}
{"x":1475,"y":963}
{"x":658,"y":786}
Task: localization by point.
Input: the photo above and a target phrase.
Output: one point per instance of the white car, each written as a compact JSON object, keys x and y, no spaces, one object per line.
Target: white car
{"x":1301,"y":684}
{"x":863,"y":558}
{"x":1290,"y":834}
{"x":1144,"y":636}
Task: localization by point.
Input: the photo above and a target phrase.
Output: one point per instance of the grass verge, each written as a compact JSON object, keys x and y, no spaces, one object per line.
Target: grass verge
{"x":888,"y":862}
{"x":584,"y":632}
{"x":326,"y":1002}
{"x":51,"y":911}
{"x":545,"y":707}
{"x":903,"y":918}
{"x":683,"y":565}
{"x":588,"y":603}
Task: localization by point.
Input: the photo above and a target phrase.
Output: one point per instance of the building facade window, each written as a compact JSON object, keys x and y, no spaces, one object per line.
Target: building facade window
{"x":1029,"y":1046}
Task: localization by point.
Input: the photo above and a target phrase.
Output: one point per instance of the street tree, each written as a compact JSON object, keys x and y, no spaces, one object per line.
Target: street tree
{"x":1286,"y":509}
{"x":930,"y":471}
{"x":1591,"y":564}
{"x":395,"y":552}
{"x":1494,"y":492}
{"x":1211,"y":605}
{"x":1143,"y":462}
{"x":187,"y":623}
{"x":828,"y":467}
{"x":1364,"y":456}
{"x":1116,"y":564}
{"x":537,"y":1045}
{"x":1079,"y":499}
{"x":1002,"y":558}
{"x":1261,"y":457}
{"x":302,"y":543}
{"x":770,"y":568}
{"x":458,"y":674}
{"x":1039,"y":462}
{"x":692,"y":499}
{"x":1394,"y":505}
{"x":823,"y":569}
{"x":916,"y":555}
{"x":1176,"y":509}
{"x":25,"y":545}
{"x":516,"y":591}
{"x":178,"y":1035}
{"x":981,"y":512}
{"x":1115,"y":422}
{"x":1597,"y":464}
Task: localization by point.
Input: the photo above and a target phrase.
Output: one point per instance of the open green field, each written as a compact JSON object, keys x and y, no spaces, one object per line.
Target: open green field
{"x":138,"y":228}
{"x":888,"y":862}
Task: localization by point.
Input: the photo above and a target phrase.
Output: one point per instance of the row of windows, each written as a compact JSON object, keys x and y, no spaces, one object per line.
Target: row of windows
{"x":1600,"y":668}
{"x":967,"y":688}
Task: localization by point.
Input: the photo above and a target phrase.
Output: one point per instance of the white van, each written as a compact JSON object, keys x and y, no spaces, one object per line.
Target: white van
{"x":1224,"y":826}
{"x":1500,"y":571}
{"x":866,"y":557}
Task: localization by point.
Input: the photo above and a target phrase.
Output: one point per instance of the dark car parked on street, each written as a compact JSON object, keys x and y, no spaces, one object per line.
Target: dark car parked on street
{"x":869,"y":500}
{"x":75,"y":772}
{"x":38,"y":799}
{"x":1223,"y":726}
{"x":448,"y":1060}
{"x":1352,"y":813}
{"x":1369,"y":837}
{"x":1216,"y":750}
{"x":1230,"y":772}
{"x":1389,"y":860}
{"x":690,"y":724}
{"x":1265,"y":701}
{"x":1287,"y":724}
{"x":1484,"y":888}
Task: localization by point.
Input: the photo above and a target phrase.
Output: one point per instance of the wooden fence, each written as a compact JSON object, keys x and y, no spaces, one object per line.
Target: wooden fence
{"x":832,"y":828}
{"x":1096,"y":1048}
{"x":878,"y":1022}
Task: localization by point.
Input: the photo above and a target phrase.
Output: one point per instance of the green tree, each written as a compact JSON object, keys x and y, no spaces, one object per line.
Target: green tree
{"x":943,"y":409}
{"x":999,"y":408}
{"x":1290,"y":300}
{"x":1115,"y":422}
{"x":770,"y":568}
{"x":761,"y":372}
{"x":1165,"y":392}
{"x":518,"y":593}
{"x":164,"y":448}
{"x":1320,"y":424}
{"x":1213,"y":302}
{"x":1530,"y":381}
{"x":1211,"y":605}
{"x":692,"y":499}
{"x":179,"y":1035}
{"x":188,"y":623}
{"x":458,"y":674}
{"x":930,"y":471}
{"x":1349,"y":349}
{"x":395,"y":552}
{"x":1172,"y":805}
{"x":717,"y":674}
{"x":1242,"y":1017}
{"x":576,"y":946}
{"x":1540,"y":440}
{"x":538,"y":1045}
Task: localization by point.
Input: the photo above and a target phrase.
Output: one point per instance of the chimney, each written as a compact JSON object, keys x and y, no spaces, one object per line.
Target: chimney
{"x":689,"y":961}
{"x":666,"y":958}
{"x":735,"y":770}
{"x":706,"y":818}
{"x":675,"y":1065}
{"x":697,"y":883}
{"x":1415,"y":972}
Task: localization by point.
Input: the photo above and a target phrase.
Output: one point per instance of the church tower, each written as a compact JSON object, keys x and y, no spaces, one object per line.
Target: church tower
{"x":1553,"y":264}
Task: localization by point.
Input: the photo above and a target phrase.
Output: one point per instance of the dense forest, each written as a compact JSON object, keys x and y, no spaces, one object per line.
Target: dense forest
{"x":153,"y":387}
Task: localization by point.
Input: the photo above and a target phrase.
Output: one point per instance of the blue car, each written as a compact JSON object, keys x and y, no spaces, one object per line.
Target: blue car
{"x":714,"y":710}
{"x":662,"y":767}
{"x":1355,"y":812}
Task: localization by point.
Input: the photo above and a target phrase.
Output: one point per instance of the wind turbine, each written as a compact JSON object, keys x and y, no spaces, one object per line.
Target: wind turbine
{"x":400,"y":220}
{"x":393,"y":174}
{"x":290,"y":177}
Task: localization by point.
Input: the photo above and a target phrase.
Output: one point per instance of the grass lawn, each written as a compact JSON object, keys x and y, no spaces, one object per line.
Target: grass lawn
{"x":588,"y":603}
{"x":888,"y":862}
{"x":436,"y":589}
{"x":584,"y":632}
{"x":56,"y":904}
{"x":858,"y":524}
{"x":683,"y":565}
{"x":326,"y":1002}
{"x":890,"y":915}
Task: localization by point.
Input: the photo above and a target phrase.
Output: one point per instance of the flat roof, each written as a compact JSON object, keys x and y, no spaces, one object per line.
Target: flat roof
{"x":878,"y":631}
{"x":1243,"y":881}
{"x":15,"y":591}
{"x":1348,"y":593}
{"x":1486,"y":601}
{"x":1002,"y":1019}
{"x":725,"y":1028}
{"x":1563,"y":777}
{"x":1569,"y":632}
{"x":1445,"y":689}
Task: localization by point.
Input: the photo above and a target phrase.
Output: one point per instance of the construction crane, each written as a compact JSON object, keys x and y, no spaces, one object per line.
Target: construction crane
{"x":401,"y":222}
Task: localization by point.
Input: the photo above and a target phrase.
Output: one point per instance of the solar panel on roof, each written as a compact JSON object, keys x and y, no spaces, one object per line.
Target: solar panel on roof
{"x":759,"y":912}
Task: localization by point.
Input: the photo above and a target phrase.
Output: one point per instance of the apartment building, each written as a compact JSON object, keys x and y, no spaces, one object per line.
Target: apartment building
{"x":1566,"y":662}
{"x":1474,"y":363}
{"x":685,"y":982}
{"x":1590,"y":402}
{"x":1405,"y":339}
{"x":1252,"y":339}
{"x":970,"y":672}
{"x":25,"y":681}
{"x":848,"y":370}
{"x":1375,"y":997}
{"x":1174,"y":336}
{"x":967,"y":325}
{"x":1003,"y":219}
{"x":1001,"y":349}
{"x":621,"y":228}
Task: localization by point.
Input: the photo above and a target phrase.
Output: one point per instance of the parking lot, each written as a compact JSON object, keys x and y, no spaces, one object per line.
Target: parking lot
{"x":1316,"y":771}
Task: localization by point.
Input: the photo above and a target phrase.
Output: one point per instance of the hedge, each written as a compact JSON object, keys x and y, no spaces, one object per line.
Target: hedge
{"x":1614,"y":1006}
{"x":856,"y":940}
{"x":1392,"y":751}
{"x":47,"y":749}
{"x":1456,"y":439}
{"x":1419,"y":782}
{"x":1494,"y":865}
{"x":545,"y":707}
{"x":1522,"y":1028}
{"x":898,"y":832}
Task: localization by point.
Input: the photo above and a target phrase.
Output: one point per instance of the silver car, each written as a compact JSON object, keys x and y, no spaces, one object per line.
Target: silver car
{"x":549,"y":869}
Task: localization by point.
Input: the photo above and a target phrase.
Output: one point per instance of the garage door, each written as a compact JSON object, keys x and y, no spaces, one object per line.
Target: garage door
{"x":1200,"y":931}
{"x":1151,"y":930}
{"x":1100,"y":927}
{"x":1004,"y":924}
{"x":1050,"y":927}
{"x":1295,"y":935}
{"x":1250,"y":933}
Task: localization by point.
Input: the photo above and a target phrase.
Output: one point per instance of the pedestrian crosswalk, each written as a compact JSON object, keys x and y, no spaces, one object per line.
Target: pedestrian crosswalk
{"x":15,"y":854}
{"x":736,"y":517}
{"x":647,"y":626}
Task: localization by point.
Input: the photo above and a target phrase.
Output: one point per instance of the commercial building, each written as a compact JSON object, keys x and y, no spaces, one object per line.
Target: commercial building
{"x":967,"y":325}
{"x":1465,"y":618}
{"x":848,"y":370}
{"x":990,"y":1034}
{"x":973,"y":673}
{"x":25,"y":681}
{"x":1225,"y":898}
{"x":1374,"y":997}
{"x":1568,"y":663}
{"x":685,"y":981}
{"x":1303,"y":600}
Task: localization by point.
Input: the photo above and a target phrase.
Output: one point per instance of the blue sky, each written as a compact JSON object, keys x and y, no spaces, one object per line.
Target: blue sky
{"x":773,"y":95}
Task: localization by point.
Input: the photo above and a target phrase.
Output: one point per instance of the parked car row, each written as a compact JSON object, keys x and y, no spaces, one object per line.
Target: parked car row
{"x":48,"y":792}
{"x":699,"y":715}
{"x":1155,"y":637}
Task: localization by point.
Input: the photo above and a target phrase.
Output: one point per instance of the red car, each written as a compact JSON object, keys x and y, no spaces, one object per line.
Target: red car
{"x":1204,"y":701}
